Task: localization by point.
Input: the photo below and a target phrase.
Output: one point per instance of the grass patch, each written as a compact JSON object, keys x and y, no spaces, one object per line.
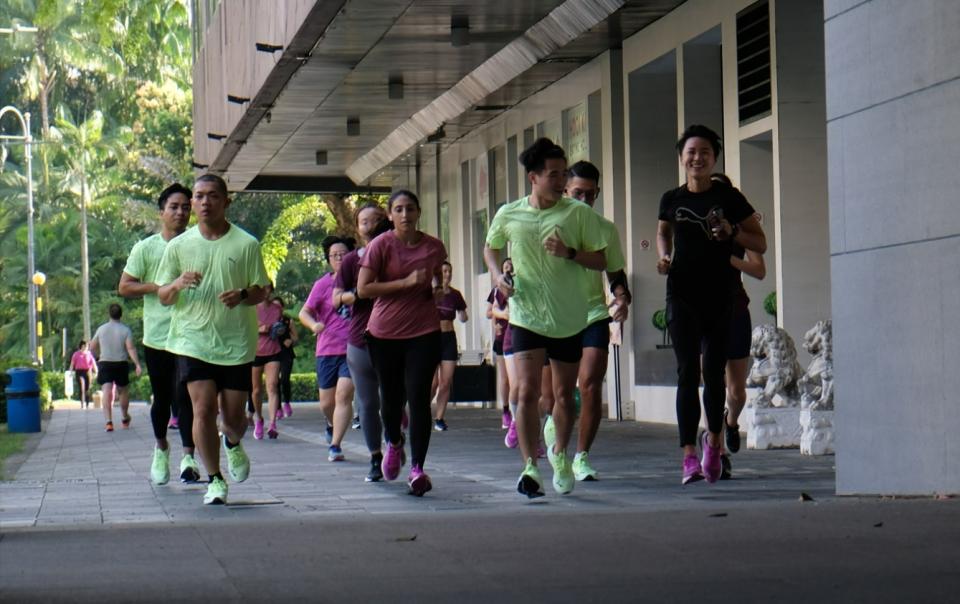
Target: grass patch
{"x":9,"y":445}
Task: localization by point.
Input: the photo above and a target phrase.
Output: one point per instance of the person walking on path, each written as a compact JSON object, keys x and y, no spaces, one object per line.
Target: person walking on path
{"x":266,"y":365}
{"x":498,"y":311}
{"x":371,"y":222}
{"x":401,"y":269}
{"x":451,"y":306}
{"x":113,"y":345}
{"x":333,"y":330}
{"x":288,"y":337}
{"x":170,"y":396}
{"x":552,"y":239}
{"x":213,"y":276}
{"x":699,"y":224}
{"x":82,"y":364}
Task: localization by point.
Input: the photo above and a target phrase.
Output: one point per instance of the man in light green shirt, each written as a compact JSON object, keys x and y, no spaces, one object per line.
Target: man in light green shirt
{"x":552,"y":239}
{"x":213,"y":276}
{"x":169,"y":394}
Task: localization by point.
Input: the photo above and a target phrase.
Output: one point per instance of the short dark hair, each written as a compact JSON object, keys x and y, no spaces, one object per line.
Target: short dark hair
{"x":403,"y":193}
{"x":208,"y":177}
{"x":584,"y":169}
{"x":331,"y":240}
{"x":534,"y":158}
{"x":171,"y":191}
{"x":115,"y":311}
{"x":699,"y":131}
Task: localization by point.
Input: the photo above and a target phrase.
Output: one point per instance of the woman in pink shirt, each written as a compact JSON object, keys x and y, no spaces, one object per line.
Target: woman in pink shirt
{"x":267,"y":364}
{"x":82,"y":363}
{"x":401,"y":269}
{"x":333,"y":330}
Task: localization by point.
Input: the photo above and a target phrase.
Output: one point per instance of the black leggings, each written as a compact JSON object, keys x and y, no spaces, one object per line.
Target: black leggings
{"x":169,"y":395}
{"x":83,"y":384}
{"x":405,"y":370}
{"x":286,"y":368}
{"x":694,"y":327}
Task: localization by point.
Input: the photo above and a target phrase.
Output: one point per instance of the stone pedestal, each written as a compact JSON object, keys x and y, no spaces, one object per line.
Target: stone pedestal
{"x":817,"y":432}
{"x":774,"y":428}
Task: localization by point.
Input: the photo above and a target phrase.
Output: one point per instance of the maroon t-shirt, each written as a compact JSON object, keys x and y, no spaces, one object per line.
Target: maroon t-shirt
{"x":499,"y":302}
{"x":411,"y":312}
{"x":360,"y":311}
{"x":450,"y":303}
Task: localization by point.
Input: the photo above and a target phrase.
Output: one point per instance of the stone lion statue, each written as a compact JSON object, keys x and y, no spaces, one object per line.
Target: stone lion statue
{"x":816,"y":385}
{"x":775,"y":367}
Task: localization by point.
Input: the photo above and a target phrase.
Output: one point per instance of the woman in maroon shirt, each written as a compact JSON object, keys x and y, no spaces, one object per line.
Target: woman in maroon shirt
{"x":451,"y":305}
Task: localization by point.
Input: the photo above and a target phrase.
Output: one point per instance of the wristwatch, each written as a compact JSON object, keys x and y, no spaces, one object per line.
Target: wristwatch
{"x":244,"y":294}
{"x":571,"y":253}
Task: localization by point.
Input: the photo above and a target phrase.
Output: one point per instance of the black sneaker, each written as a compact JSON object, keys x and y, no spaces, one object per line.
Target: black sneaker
{"x":356,"y":422}
{"x":725,"y":467}
{"x":376,"y":473}
{"x":440,"y":425}
{"x":732,"y":435}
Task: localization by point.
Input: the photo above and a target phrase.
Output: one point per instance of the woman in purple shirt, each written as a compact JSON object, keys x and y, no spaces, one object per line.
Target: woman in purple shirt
{"x":451,"y":305}
{"x":403,"y":334}
{"x":333,"y":376}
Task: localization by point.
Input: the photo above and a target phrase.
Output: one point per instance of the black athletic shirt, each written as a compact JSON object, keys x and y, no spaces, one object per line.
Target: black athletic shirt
{"x":700,"y":267}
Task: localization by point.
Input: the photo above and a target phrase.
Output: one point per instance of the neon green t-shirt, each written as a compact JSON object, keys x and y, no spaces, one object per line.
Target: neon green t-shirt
{"x":142,"y":265}
{"x":200,"y":325}
{"x":549,"y":292}
{"x":596,"y":294}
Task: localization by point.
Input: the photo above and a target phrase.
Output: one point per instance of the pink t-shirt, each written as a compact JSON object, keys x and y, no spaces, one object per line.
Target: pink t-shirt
{"x":333,"y":339}
{"x":411,"y":312}
{"x":82,"y":360}
{"x":267,"y":314}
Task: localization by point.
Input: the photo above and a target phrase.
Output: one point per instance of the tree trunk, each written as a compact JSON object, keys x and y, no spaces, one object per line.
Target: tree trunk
{"x":84,"y":259}
{"x":343,"y":213}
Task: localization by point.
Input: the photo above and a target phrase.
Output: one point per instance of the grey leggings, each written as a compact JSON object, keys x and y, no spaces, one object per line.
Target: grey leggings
{"x":368,"y":395}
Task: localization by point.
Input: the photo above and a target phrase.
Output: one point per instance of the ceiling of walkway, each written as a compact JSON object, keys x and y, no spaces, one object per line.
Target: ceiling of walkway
{"x":424,"y":48}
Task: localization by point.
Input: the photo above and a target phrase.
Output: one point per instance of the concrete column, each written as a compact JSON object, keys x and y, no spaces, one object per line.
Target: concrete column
{"x":893,"y":124}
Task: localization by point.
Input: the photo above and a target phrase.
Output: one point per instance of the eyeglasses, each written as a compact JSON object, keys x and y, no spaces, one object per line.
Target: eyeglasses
{"x":337,"y":255}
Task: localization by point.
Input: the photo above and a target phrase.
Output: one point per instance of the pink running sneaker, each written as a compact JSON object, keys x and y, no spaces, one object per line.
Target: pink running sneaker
{"x":279,"y":412}
{"x":506,"y":420}
{"x":511,"y":440}
{"x":711,"y":463}
{"x":174,"y":423}
{"x":691,"y":469}
{"x":391,"y":462}
{"x":272,"y":432}
{"x":287,"y":410}
{"x":419,"y":481}
{"x":541,"y":450}
{"x":258,"y":429}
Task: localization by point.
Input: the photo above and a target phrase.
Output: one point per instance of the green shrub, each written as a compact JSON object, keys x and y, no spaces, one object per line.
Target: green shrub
{"x":303,"y":386}
{"x":770,"y":304}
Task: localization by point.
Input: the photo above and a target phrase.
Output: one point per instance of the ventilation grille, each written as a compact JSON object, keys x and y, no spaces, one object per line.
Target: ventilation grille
{"x":753,"y":62}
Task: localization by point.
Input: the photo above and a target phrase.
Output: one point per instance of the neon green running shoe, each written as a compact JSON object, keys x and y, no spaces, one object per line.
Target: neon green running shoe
{"x":238,"y":464}
{"x":160,"y":468}
{"x":549,"y":433}
{"x":530,"y":483}
{"x":582,"y":470}
{"x":216,"y":492}
{"x":563,"y":480}
{"x":189,"y":470}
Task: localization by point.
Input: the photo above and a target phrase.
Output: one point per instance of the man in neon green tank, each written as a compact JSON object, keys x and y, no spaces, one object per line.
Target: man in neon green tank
{"x":553,"y":238}
{"x":213,"y":275}
{"x":169,"y":394}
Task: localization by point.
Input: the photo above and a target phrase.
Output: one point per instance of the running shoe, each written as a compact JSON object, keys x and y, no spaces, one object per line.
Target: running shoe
{"x":506,"y":419}
{"x":549,"y":432}
{"x":691,"y":469}
{"x":731,"y":434}
{"x":582,"y":470}
{"x":272,"y":431}
{"x":418,"y":481}
{"x":440,"y":425}
{"x":125,"y":422}
{"x":710,"y":461}
{"x":541,"y":450}
{"x":356,"y":422}
{"x":258,"y":429}
{"x":189,"y":470}
{"x":391,"y":462}
{"x":160,"y":468}
{"x":216,"y":492}
{"x":329,"y":434}
{"x":279,"y":413}
{"x":287,"y":410}
{"x":238,"y":464}
{"x":334,"y":453}
{"x":109,"y":427}
{"x":511,"y":440}
{"x":563,"y":479}
{"x":376,"y":473}
{"x":726,"y":468}
{"x":530,"y":483}
{"x":174,"y":423}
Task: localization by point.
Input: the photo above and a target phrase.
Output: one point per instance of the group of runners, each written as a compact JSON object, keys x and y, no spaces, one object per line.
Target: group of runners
{"x":384,"y":318}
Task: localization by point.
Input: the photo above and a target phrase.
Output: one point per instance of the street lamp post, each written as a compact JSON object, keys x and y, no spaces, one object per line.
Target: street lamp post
{"x":31,"y":288}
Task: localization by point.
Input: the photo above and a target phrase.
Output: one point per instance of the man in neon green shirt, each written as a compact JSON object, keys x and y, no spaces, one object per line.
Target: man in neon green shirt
{"x":552,"y":239}
{"x":213,"y":275}
{"x":169,"y":394}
